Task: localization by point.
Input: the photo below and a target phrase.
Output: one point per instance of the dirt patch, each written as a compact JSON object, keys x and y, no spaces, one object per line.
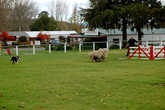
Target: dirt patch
{"x":163,"y":84}
{"x":1,"y":95}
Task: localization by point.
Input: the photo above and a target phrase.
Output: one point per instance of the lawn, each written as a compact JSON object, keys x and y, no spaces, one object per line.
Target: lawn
{"x":70,"y":81}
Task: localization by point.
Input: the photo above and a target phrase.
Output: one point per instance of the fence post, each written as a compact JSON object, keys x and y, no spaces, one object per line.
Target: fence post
{"x":16,"y":50}
{"x":147,"y":43}
{"x":50,"y":48}
{"x":120,"y":43}
{"x":107,"y":45}
{"x":164,"y":51}
{"x":94,"y":46}
{"x":0,"y":49}
{"x":139,"y":52}
{"x":80,"y":47}
{"x":65,"y":44}
{"x":152,"y":53}
{"x":129,"y":53}
{"x":161,"y":43}
{"x":34,"y":50}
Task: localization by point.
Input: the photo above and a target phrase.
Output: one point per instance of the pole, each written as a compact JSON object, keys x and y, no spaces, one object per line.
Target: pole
{"x":164,"y":51}
{"x":130,"y":53}
{"x":65,"y":44}
{"x":0,"y":49}
{"x":80,"y":47}
{"x":50,"y":48}
{"x":94,"y":46}
{"x":34,"y":50}
{"x":161,"y":43}
{"x":139,"y":52}
{"x":16,"y":50}
{"x":152,"y":53}
{"x":147,"y":43}
{"x":120,"y":44}
{"x":107,"y":45}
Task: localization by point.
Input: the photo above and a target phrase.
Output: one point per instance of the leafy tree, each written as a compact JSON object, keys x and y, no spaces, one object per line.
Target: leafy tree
{"x":44,"y":22}
{"x":108,"y":14}
{"x":149,"y":13}
{"x":4,"y":37}
{"x":139,"y":18}
{"x":75,"y":19}
{"x":121,"y":14}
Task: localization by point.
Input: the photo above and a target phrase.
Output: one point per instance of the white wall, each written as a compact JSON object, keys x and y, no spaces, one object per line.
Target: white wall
{"x":154,"y":37}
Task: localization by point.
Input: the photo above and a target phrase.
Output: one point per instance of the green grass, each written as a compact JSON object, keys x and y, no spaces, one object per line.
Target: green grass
{"x":71,"y":82}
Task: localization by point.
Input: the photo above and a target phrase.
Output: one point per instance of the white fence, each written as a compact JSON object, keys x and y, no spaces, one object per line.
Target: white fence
{"x":48,"y":48}
{"x":80,"y":46}
{"x":153,"y":43}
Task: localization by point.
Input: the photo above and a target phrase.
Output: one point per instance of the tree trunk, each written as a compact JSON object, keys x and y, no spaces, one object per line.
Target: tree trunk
{"x":139,"y":34}
{"x":124,"y":30}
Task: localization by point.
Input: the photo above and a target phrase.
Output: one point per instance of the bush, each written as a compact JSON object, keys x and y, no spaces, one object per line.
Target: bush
{"x":62,"y":48}
{"x":87,"y":46}
{"x":58,"y":48}
{"x":22,"y":39}
{"x":114,"y":47}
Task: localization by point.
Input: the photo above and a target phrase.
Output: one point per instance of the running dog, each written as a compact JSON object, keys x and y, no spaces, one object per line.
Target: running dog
{"x":14,"y":59}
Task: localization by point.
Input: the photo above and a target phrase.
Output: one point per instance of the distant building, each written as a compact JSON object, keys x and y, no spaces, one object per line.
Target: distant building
{"x":148,"y":34}
{"x":34,"y":34}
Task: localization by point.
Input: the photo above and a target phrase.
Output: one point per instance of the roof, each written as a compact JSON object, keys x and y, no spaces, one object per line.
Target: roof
{"x":88,"y":36}
{"x":35,"y":33}
{"x":130,"y":32}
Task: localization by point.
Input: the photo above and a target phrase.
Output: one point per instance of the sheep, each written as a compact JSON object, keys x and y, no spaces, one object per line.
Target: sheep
{"x":99,"y":55}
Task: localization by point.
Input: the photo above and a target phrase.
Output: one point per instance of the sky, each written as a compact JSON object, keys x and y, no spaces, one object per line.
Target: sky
{"x":43,"y":5}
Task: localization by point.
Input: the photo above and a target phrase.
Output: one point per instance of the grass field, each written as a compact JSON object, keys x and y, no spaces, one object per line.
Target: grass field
{"x":71,"y":82}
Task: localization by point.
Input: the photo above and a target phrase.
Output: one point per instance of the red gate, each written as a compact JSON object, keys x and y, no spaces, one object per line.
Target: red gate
{"x":151,"y":53}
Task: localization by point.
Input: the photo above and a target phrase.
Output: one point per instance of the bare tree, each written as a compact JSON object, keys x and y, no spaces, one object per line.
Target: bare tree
{"x":5,"y":8}
{"x":59,"y":9}
{"x":76,"y":19}
{"x":21,"y":14}
{"x":52,"y":8}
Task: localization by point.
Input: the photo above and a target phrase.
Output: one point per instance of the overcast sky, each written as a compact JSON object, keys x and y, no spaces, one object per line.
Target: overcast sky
{"x":43,"y":5}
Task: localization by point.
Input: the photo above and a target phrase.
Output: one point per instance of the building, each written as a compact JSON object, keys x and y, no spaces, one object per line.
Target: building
{"x":148,"y":34}
{"x":34,"y":34}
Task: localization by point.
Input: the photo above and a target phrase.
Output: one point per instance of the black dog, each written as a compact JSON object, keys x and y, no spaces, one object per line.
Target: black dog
{"x":14,"y":59}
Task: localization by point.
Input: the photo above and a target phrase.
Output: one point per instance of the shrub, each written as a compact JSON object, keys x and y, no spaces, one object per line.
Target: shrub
{"x":114,"y":47}
{"x":22,"y":39}
{"x":58,"y":48}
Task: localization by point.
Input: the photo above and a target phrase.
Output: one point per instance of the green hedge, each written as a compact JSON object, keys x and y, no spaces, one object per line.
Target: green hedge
{"x":58,"y":48}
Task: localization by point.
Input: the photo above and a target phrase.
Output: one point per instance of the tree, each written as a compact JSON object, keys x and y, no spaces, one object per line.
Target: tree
{"x":44,"y":22}
{"x":21,"y":15}
{"x":59,"y":9}
{"x":22,"y":39}
{"x":108,"y":14}
{"x":121,"y":14}
{"x":139,"y":18}
{"x":146,"y":14}
{"x":4,"y":37}
{"x":43,"y":37}
{"x":5,"y":8}
{"x":75,"y":19}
